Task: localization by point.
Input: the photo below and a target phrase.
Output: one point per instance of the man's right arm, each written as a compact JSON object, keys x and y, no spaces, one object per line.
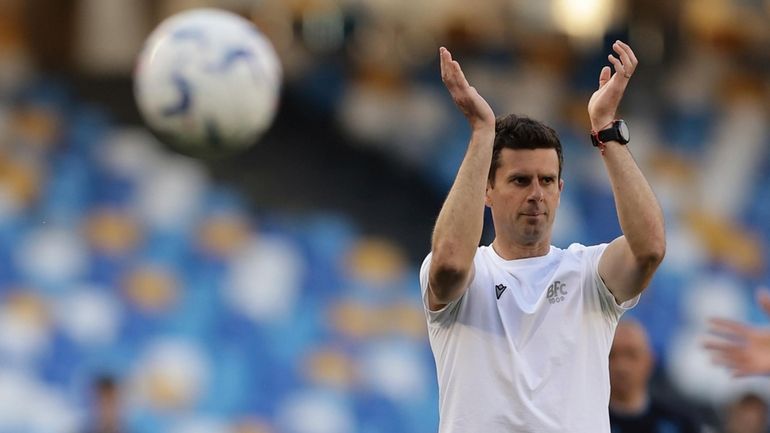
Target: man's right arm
{"x":460,"y":221}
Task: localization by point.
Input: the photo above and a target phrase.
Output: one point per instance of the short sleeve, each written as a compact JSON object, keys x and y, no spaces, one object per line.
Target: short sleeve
{"x":447,"y":313}
{"x":609,"y":304}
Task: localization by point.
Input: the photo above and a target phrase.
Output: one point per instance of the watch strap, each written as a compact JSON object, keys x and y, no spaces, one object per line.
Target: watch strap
{"x":610,"y":132}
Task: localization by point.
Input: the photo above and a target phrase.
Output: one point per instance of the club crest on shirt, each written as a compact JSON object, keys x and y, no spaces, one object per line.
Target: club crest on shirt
{"x":557,"y":292}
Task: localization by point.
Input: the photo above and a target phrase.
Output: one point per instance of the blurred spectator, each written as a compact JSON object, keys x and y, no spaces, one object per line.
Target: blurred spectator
{"x":107,"y":416}
{"x":747,"y":414}
{"x":632,"y":407}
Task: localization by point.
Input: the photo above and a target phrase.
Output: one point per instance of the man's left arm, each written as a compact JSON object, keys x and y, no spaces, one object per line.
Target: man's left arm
{"x":628,"y":263}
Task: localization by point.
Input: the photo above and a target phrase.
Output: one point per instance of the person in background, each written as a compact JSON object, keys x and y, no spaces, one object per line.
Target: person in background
{"x":632,"y":407}
{"x":106,"y":416}
{"x":746,"y":414}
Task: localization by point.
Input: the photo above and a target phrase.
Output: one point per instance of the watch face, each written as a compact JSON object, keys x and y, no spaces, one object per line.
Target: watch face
{"x":623,"y":130}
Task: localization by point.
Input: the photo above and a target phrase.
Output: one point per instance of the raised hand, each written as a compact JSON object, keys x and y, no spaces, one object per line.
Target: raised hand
{"x":743,"y":349}
{"x":473,"y":106}
{"x":604,"y":102}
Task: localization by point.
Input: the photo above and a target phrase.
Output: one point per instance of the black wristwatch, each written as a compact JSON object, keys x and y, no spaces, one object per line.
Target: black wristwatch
{"x":617,"y":131}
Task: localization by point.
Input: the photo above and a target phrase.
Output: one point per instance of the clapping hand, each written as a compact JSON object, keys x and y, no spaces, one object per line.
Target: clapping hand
{"x":743,"y":349}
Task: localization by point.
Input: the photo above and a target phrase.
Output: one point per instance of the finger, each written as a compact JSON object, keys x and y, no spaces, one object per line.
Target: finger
{"x":445,"y":58}
{"x":619,"y":69}
{"x":727,"y":335}
{"x":630,"y":52}
{"x":734,"y":358}
{"x":461,"y":80}
{"x":628,"y":68}
{"x":722,"y":359}
{"x":604,"y":76}
{"x":452,"y":74}
{"x":455,"y":79}
{"x":720,"y":347}
{"x":729,"y":327}
{"x":449,"y":67}
{"x":632,"y":60}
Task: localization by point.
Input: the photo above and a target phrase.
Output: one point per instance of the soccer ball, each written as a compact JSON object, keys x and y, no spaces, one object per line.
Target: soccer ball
{"x":207,"y":81}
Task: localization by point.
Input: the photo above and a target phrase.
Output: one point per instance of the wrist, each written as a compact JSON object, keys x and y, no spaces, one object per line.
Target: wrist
{"x":599,"y":124}
{"x":483,"y":130}
{"x":616,"y":131}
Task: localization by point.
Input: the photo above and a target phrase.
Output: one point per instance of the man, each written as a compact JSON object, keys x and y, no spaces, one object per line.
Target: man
{"x":746,"y":414}
{"x":743,"y":349}
{"x":632,"y":408}
{"x":521,"y":330}
{"x":106,"y":417}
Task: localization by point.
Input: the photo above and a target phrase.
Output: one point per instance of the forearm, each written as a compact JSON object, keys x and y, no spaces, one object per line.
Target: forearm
{"x":639,"y":213}
{"x":460,"y":221}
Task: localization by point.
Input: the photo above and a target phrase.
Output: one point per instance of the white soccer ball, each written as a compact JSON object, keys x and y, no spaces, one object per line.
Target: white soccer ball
{"x":207,"y":81}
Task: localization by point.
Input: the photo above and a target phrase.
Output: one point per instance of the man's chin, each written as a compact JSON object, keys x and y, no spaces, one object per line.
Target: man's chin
{"x":532,"y":237}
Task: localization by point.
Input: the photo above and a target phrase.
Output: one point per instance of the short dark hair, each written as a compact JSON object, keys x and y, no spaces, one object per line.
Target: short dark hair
{"x":521,"y":132}
{"x":105,"y":384}
{"x":750,"y":399}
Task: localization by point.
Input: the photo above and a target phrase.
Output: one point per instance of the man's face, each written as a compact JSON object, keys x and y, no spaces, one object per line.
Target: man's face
{"x":524,"y":194}
{"x":630,"y":360}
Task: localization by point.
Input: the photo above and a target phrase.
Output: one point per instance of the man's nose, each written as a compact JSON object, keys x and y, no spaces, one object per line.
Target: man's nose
{"x":536,"y":192}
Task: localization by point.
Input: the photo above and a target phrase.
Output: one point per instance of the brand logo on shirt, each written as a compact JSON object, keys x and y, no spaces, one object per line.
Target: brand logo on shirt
{"x":499,"y":289}
{"x":557,"y":292}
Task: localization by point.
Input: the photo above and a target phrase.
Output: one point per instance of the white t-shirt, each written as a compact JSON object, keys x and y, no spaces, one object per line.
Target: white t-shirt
{"x":526,"y":348}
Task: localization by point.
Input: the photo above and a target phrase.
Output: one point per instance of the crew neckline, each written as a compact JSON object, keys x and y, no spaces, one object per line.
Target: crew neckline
{"x":527,"y":261}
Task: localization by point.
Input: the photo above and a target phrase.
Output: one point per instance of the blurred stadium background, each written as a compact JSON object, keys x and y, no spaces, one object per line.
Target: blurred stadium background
{"x":277,"y":292}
